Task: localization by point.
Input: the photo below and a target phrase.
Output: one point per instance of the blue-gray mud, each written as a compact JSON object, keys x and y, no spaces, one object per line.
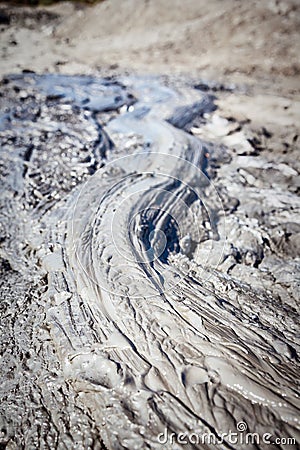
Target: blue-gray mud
{"x":149,"y":278}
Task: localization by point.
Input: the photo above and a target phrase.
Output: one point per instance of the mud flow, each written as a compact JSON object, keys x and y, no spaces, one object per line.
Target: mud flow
{"x":149,"y":270}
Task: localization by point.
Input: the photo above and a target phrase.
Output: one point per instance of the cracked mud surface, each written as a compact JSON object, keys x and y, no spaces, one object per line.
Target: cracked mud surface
{"x":149,"y":264}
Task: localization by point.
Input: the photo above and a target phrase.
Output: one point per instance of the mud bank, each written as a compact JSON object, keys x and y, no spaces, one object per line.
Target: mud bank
{"x":150,"y":266}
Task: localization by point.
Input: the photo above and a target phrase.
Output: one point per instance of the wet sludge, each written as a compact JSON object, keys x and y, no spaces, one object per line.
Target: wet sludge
{"x":143,"y":296}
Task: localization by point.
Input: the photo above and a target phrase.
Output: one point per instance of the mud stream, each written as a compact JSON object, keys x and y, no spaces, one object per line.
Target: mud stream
{"x":144,"y":294}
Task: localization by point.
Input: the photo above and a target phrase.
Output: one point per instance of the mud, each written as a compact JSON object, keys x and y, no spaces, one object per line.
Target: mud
{"x":150,"y":266}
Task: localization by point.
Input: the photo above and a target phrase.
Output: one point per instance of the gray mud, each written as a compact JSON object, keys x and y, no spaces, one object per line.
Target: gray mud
{"x":150,"y":269}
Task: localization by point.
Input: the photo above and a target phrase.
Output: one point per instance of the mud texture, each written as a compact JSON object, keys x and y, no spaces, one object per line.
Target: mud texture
{"x":150,"y":267}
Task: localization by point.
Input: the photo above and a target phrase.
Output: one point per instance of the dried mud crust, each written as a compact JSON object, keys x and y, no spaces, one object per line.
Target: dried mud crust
{"x":75,"y":376}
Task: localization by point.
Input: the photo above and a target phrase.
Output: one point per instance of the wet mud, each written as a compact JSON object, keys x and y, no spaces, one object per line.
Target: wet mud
{"x":150,"y":270}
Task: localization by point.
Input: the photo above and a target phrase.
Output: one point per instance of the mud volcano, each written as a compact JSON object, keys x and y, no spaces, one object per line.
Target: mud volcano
{"x":148,"y":277}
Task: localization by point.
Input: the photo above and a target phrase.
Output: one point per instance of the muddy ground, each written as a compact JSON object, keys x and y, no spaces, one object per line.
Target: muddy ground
{"x":245,"y":57}
{"x":251,"y":45}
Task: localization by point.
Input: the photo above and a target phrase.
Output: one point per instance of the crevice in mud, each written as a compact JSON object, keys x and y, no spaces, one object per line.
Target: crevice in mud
{"x":102,"y":146}
{"x":186,"y":116}
{"x":27,"y":156}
